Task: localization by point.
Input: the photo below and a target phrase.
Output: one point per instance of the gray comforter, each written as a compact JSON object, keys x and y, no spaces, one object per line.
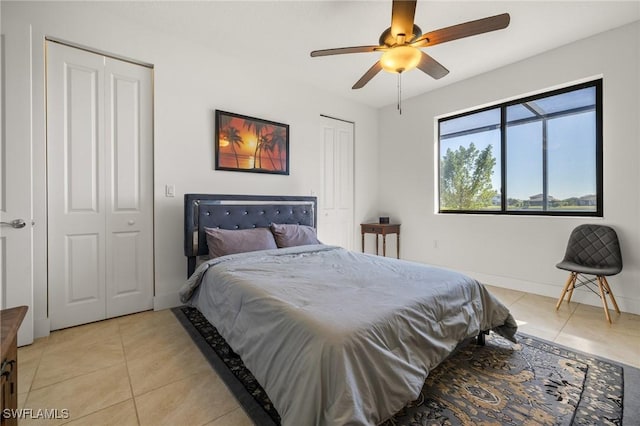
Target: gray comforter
{"x":337,"y":337}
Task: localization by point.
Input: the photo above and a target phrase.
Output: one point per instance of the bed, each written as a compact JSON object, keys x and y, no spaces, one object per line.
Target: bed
{"x":334,"y":337}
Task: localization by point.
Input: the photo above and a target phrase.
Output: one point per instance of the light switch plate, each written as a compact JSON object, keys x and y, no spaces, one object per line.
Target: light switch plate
{"x":169,"y":191}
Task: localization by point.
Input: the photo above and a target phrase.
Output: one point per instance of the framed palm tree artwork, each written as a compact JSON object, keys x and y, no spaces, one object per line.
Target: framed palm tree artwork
{"x":248,"y":144}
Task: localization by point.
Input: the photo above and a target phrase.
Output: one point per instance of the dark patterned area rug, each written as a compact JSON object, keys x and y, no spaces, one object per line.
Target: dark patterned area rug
{"x":530,"y":383}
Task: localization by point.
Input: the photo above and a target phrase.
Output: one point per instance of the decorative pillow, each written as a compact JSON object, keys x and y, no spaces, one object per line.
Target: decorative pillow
{"x":224,"y":241}
{"x":294,"y":235}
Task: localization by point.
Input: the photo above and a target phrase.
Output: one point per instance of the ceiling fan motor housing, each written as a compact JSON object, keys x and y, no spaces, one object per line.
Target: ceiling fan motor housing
{"x":388,"y":39}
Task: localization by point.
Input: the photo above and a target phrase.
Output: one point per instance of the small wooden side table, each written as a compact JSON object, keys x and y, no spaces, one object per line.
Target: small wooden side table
{"x":10,"y":320}
{"x":381,"y":229}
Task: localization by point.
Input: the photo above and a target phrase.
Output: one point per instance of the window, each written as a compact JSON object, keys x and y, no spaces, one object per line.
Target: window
{"x":539,"y":155}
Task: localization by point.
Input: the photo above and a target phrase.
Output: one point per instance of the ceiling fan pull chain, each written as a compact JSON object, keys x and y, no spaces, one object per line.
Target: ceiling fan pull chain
{"x":400,"y":93}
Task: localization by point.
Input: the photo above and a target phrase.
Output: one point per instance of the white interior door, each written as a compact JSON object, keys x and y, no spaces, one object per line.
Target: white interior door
{"x":99,"y":159}
{"x":16,"y":272}
{"x":129,"y":200}
{"x":335,"y":204}
{"x":76,"y":181}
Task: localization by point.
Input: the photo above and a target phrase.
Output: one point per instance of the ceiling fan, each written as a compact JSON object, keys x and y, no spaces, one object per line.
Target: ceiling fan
{"x":401,"y":42}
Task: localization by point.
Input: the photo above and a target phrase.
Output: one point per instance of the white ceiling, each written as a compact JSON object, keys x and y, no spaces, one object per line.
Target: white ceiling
{"x":280,"y":35}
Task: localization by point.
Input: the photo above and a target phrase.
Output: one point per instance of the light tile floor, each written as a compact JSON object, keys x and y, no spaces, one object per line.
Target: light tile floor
{"x":144,"y":369}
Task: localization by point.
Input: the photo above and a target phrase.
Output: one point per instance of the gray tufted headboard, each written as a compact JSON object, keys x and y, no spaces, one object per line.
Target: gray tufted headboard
{"x":239,"y":212}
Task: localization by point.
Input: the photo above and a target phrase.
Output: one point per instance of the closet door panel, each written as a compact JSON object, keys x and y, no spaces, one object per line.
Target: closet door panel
{"x":129,"y":224}
{"x":100,"y":173}
{"x":335,"y":214}
{"x":76,"y":202}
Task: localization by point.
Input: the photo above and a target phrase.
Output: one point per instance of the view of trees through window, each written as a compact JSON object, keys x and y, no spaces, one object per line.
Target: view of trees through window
{"x":539,"y":155}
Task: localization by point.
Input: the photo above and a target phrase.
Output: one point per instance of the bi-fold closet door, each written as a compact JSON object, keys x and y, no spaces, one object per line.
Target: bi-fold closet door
{"x":100,"y":192}
{"x":335,"y":215}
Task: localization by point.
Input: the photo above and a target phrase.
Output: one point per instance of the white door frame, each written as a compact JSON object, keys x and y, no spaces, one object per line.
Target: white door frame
{"x":16,"y":252}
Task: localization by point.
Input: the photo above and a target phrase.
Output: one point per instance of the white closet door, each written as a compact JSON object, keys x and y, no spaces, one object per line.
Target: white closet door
{"x":335,"y":219}
{"x":76,"y":181}
{"x":99,"y":154}
{"x":129,"y":201}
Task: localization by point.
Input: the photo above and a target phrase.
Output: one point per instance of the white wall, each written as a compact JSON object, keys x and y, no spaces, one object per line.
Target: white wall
{"x":191,"y":81}
{"x":519,"y":252}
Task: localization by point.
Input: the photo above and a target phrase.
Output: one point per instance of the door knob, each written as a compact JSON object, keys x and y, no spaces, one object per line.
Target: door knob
{"x":18,"y":223}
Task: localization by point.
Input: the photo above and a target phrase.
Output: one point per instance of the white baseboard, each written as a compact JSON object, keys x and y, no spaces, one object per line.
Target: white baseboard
{"x":41,"y":328}
{"x":580,"y":295}
{"x":166,"y":301}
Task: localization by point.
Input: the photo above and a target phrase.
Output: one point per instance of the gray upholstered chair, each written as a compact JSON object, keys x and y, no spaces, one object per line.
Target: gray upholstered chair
{"x":592,"y":250}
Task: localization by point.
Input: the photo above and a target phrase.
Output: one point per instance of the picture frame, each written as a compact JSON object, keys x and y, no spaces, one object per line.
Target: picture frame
{"x":249,"y":144}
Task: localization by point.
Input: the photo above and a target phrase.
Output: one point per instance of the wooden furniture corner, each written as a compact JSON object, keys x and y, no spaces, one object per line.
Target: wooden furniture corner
{"x":10,"y":320}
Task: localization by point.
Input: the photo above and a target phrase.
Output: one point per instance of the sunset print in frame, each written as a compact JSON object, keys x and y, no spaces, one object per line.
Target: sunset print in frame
{"x":247,"y":144}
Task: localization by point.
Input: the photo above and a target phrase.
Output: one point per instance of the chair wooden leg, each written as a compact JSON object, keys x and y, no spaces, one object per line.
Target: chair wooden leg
{"x":572,"y":287}
{"x":608,"y":289}
{"x":570,"y":281}
{"x":602,"y":296}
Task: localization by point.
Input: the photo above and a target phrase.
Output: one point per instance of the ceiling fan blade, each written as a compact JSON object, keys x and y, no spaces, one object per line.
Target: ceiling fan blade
{"x":402,"y":15}
{"x":432,"y":67}
{"x":343,"y":50}
{"x":465,"y":29}
{"x":375,"y":69}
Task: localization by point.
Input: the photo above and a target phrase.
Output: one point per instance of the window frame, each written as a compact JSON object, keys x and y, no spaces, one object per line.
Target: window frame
{"x":599,"y":211}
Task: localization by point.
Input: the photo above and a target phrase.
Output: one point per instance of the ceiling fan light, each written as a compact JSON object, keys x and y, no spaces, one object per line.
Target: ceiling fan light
{"x":400,"y":58}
